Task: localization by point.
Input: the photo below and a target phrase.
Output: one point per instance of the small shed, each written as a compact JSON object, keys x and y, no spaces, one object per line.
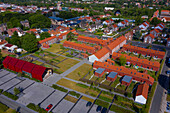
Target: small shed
{"x":126,"y":80}
{"x":99,"y":72}
{"x":112,"y":76}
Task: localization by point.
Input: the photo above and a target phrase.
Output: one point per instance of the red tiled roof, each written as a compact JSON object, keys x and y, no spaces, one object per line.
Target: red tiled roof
{"x":8,"y":45}
{"x":145,"y":50}
{"x":150,"y":35}
{"x":126,"y":21}
{"x":167,"y":18}
{"x":107,"y":21}
{"x":38,"y":70}
{"x":122,"y":22}
{"x":114,"y":25}
{"x":142,"y":90}
{"x":99,"y":54}
{"x":147,"y":22}
{"x":47,"y":39}
{"x":19,"y":65}
{"x":126,"y":71}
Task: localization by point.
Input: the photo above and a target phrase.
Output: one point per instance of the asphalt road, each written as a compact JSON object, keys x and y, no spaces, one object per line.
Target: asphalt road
{"x":14,"y":105}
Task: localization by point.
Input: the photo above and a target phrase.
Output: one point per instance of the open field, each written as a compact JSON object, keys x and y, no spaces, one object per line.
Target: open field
{"x":37,"y":62}
{"x":87,"y":99}
{"x":71,"y":99}
{"x":54,"y":48}
{"x":79,"y":72}
{"x":65,"y":65}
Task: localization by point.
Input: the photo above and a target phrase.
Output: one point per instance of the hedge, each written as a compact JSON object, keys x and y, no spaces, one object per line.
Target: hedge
{"x":74,"y":94}
{"x":118,"y":109}
{"x":105,"y":99}
{"x":59,"y":88}
{"x":9,"y":95}
{"x":36,"y":108}
{"x":1,"y":90}
{"x":102,"y":103}
{"x":82,"y":85}
{"x":3,"y":107}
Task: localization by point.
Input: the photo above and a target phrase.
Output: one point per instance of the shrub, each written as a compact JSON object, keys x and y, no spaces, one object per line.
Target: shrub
{"x":16,"y":91}
{"x":74,"y":94}
{"x":82,"y":85}
{"x":36,"y":108}
{"x":1,"y":90}
{"x":9,"y":95}
{"x":3,"y":107}
{"x":59,"y":88}
{"x":118,"y":109}
{"x":105,"y":99}
{"x":102,"y":103}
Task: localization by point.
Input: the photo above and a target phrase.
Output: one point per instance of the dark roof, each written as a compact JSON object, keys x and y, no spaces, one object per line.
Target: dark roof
{"x":75,"y":18}
{"x":56,"y":18}
{"x":28,"y":67}
{"x":99,"y":70}
{"x":38,"y":70}
{"x":8,"y":45}
{"x":45,"y":30}
{"x":127,"y":78}
{"x":112,"y":74}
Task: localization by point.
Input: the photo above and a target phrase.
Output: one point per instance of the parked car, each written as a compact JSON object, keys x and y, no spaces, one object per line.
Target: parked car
{"x":104,"y":110}
{"x":49,"y":107}
{"x":99,"y":108}
{"x":168,"y":72}
{"x":88,"y":104}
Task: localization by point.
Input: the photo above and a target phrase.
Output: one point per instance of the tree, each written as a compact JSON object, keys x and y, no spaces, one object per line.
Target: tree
{"x":16,"y":91}
{"x":138,"y":20}
{"x":122,"y":60}
{"x":155,"y":21}
{"x":70,"y":36}
{"x":29,"y":43}
{"x":104,"y":26}
{"x":44,"y":35}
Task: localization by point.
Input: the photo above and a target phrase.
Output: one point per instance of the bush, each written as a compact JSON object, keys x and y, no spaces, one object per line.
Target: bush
{"x":82,"y":85}
{"x":102,"y":103}
{"x":16,"y":91}
{"x":59,"y":88}
{"x":1,"y":90}
{"x":36,"y":108}
{"x":9,"y":95}
{"x":74,"y":94}
{"x":105,"y":99}
{"x":3,"y":107}
{"x":118,"y":109}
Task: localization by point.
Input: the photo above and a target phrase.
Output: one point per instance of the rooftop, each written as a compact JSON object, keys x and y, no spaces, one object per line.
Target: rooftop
{"x":99,"y":70}
{"x":127,"y":79}
{"x":112,"y":74}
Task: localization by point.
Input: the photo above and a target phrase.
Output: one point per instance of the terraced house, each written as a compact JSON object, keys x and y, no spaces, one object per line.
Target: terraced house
{"x":143,"y":51}
{"x":143,"y":63}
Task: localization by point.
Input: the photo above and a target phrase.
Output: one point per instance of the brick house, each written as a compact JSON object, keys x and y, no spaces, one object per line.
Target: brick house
{"x":49,"y":41}
{"x":79,"y":47}
{"x":129,"y":35}
{"x":149,"y":38}
{"x":112,"y":76}
{"x":144,"y":63}
{"x":160,"y":26}
{"x":111,"y":61}
{"x":144,"y":26}
{"x":126,"y":80}
{"x":122,"y":71}
{"x":143,"y":51}
{"x":155,"y":32}
{"x":115,"y":27}
{"x":99,"y":72}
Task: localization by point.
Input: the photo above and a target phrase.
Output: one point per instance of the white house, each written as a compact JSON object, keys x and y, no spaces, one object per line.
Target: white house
{"x":10,"y":47}
{"x":142,"y":93}
{"x":160,"y":26}
{"x":144,"y":26}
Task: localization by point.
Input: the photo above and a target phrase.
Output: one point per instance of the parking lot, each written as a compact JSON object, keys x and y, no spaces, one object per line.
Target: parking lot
{"x":80,"y":107}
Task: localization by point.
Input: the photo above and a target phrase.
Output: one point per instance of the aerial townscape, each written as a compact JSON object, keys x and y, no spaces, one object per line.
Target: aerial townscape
{"x":84,"y":56}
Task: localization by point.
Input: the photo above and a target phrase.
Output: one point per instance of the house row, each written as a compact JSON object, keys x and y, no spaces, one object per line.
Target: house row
{"x":93,"y":40}
{"x":143,"y":51}
{"x":79,"y":47}
{"x":105,"y":52}
{"x":122,"y":71}
{"x":34,"y":71}
{"x":144,"y":63}
{"x":110,"y":29}
{"x":144,"y":26}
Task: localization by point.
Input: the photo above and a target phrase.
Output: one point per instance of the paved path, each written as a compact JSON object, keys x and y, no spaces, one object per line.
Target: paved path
{"x":15,"y":105}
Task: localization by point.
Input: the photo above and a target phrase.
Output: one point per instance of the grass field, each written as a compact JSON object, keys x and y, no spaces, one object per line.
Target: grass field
{"x":106,"y":82}
{"x":54,"y":48}
{"x":122,"y":87}
{"x":87,"y":99}
{"x":90,"y":74}
{"x":60,"y":58}
{"x":130,"y":88}
{"x":79,"y":72}
{"x":115,"y":82}
{"x":71,"y":99}
{"x":37,"y":62}
{"x":65,"y":65}
{"x":72,"y":85}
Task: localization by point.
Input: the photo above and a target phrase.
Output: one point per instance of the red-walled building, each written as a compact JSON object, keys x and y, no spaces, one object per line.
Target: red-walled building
{"x":143,"y":51}
{"x":144,"y":63}
{"x":32,"y":70}
{"x":126,"y":80}
{"x":99,"y":72}
{"x":122,"y":71}
{"x":112,"y":76}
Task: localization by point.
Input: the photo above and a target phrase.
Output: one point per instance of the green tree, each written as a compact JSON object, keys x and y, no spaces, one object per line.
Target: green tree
{"x":16,"y":91}
{"x":138,"y":20}
{"x":29,"y":43}
{"x":122,"y":60}
{"x":44,"y":35}
{"x":70,"y":36}
{"x":155,"y":21}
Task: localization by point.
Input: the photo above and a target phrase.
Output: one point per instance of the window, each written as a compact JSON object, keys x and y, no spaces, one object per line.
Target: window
{"x":142,"y":75}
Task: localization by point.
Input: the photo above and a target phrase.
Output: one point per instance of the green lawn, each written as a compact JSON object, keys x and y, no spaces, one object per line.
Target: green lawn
{"x":71,"y":99}
{"x":121,"y":87}
{"x":65,"y":65}
{"x":90,"y":74}
{"x":80,"y":72}
{"x":106,"y":82}
{"x":54,"y":48}
{"x":115,"y":82}
{"x":60,"y":58}
{"x":130,"y":88}
{"x":87,"y":99}
{"x":37,"y":62}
